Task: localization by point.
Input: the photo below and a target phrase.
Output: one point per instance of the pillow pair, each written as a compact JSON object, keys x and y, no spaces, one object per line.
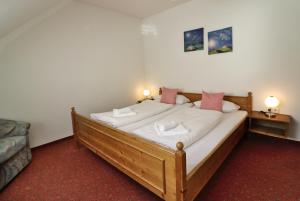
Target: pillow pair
{"x":210,"y":101}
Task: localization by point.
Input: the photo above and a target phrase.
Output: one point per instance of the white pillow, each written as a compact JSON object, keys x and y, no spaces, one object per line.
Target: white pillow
{"x":227,"y":106}
{"x":180,"y":99}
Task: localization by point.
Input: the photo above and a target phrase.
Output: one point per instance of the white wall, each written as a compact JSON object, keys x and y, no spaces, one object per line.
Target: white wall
{"x":265,"y":59}
{"x":14,"y":13}
{"x":82,"y":56}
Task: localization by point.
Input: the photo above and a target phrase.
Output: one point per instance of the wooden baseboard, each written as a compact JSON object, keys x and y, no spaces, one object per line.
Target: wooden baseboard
{"x":293,"y":139}
{"x":275,"y":136}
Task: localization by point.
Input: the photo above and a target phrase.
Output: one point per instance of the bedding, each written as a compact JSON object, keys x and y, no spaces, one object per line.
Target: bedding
{"x":168,"y":95}
{"x":212,"y":101}
{"x":143,"y":110}
{"x":152,"y":119}
{"x":201,"y":149}
{"x":180,"y":99}
{"x":198,"y":151}
{"x":197,"y":122}
{"x":226,"y":107}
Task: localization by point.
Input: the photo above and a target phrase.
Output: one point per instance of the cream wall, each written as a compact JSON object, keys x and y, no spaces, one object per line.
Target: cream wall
{"x":80,"y":56}
{"x":265,"y":59}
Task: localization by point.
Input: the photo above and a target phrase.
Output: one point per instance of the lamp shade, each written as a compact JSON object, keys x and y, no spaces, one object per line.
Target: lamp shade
{"x":146,"y":92}
{"x":271,"y":102}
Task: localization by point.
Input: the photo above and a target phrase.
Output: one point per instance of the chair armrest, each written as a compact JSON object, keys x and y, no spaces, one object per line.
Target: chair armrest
{"x":21,"y":129}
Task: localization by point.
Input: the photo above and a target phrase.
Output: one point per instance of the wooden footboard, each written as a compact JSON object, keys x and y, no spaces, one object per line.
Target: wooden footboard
{"x":159,"y":169}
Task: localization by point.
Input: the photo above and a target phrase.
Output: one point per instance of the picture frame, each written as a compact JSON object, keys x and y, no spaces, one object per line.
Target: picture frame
{"x":220,"y":41}
{"x":194,"y":40}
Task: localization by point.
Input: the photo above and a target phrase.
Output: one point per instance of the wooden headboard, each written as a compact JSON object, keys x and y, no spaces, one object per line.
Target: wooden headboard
{"x":245,"y":102}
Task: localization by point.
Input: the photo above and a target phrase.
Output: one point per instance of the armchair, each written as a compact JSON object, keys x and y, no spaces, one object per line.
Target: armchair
{"x":15,"y":153}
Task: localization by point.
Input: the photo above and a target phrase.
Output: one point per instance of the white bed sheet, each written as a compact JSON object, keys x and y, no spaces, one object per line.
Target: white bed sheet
{"x":133,"y":126}
{"x":198,"y":123}
{"x":197,"y":152}
{"x":143,"y":110}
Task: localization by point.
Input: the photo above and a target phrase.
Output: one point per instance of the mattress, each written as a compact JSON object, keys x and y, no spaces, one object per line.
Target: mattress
{"x":198,"y":151}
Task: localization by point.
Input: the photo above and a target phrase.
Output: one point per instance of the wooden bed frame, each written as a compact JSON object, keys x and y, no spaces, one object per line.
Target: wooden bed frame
{"x":159,"y":169}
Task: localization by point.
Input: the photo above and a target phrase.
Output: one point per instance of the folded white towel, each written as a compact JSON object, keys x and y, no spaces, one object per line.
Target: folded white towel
{"x":101,"y":117}
{"x":123,"y":112}
{"x":165,"y":126}
{"x":178,"y":130}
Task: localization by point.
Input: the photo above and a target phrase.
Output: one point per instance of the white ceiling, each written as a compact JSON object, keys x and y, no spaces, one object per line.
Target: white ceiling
{"x":13,"y":13}
{"x":137,"y":8}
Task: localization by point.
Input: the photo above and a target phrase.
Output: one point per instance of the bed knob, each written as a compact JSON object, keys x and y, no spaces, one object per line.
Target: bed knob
{"x":179,"y":146}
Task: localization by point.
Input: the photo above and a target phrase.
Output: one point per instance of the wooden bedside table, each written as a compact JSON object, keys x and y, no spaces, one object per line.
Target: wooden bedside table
{"x":277,"y":126}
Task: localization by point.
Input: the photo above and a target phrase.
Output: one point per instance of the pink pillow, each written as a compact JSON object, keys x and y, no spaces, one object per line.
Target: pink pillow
{"x":168,"y":95}
{"x":212,"y":101}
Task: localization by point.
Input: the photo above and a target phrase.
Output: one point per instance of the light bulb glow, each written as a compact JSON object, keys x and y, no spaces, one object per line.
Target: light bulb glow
{"x":271,"y":102}
{"x":146,"y":92}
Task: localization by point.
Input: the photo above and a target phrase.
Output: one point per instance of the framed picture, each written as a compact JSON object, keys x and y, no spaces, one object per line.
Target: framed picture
{"x":194,"y":40}
{"x":220,"y":41}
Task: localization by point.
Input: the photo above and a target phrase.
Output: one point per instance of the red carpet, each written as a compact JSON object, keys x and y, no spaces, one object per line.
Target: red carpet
{"x":260,"y":168}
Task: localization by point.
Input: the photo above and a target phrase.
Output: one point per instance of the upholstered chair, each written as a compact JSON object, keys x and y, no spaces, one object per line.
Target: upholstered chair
{"x":15,"y":153}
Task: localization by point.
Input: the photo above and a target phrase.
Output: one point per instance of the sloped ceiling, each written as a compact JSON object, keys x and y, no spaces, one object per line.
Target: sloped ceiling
{"x":13,"y":13}
{"x":137,"y":8}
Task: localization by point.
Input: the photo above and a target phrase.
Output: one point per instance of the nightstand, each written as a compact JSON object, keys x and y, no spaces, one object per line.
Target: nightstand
{"x":277,"y":126}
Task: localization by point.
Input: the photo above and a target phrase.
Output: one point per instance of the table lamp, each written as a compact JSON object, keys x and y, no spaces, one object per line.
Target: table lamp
{"x":146,"y":93}
{"x":271,"y":103}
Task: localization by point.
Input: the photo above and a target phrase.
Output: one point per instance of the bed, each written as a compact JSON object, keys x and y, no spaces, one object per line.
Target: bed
{"x":160,"y":169}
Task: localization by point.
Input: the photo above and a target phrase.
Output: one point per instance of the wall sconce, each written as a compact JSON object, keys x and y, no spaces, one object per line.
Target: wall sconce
{"x":271,"y":103}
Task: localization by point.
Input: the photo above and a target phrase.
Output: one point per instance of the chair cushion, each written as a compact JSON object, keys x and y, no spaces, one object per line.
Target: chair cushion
{"x":14,"y":128}
{"x":6,"y":126}
{"x":10,"y":146}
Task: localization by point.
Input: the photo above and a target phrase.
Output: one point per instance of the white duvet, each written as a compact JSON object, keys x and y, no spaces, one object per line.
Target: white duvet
{"x":143,"y":110}
{"x":198,"y":122}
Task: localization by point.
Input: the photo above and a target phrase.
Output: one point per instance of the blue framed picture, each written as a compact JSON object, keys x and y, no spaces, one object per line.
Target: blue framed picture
{"x":194,"y":40}
{"x":220,"y":41}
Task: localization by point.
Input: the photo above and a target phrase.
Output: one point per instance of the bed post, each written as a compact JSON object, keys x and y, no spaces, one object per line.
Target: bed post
{"x":180,"y":159}
{"x":249,"y":102}
{"x":74,"y":125}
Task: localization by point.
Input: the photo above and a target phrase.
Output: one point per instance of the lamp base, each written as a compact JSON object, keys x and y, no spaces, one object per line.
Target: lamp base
{"x":270,"y":114}
{"x":148,"y":98}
